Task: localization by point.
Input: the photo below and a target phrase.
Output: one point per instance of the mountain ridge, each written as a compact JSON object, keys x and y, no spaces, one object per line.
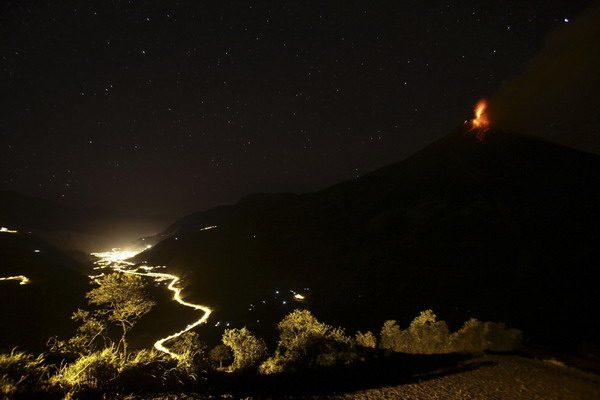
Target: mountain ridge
{"x":456,"y":227}
{"x":84,"y":229}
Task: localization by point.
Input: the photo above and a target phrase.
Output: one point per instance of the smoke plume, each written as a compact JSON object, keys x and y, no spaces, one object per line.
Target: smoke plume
{"x":557,"y":94}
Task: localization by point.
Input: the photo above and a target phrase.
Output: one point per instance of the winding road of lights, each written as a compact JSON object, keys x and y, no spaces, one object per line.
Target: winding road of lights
{"x":115,"y":260}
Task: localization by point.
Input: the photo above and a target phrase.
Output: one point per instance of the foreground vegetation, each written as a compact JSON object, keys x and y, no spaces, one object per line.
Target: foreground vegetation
{"x":92,"y":363}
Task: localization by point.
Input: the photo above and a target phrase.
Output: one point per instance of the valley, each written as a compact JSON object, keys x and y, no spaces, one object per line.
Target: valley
{"x":115,"y":261}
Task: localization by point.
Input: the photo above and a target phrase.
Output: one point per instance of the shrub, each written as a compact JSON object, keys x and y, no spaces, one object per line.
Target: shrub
{"x":21,"y":373}
{"x":247,"y":349}
{"x":470,"y":338}
{"x":272,"y":365}
{"x":476,"y":336}
{"x":93,"y":370}
{"x":110,"y":371}
{"x":150,"y":370}
{"x":499,"y":338}
{"x":427,"y":335}
{"x":366,"y":339}
{"x":306,"y":342}
{"x":191,"y":351}
{"x":391,"y":336}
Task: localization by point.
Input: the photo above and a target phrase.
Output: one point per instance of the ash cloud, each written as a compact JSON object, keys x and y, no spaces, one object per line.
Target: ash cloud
{"x":557,"y":94}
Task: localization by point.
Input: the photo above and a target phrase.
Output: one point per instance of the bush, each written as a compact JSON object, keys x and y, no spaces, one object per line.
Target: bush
{"x":476,"y":336}
{"x":191,"y":351}
{"x":296,"y":326}
{"x":247,"y":349}
{"x":149,"y":370}
{"x":306,"y":342}
{"x":366,"y":339}
{"x":470,"y":338}
{"x":498,"y":338}
{"x":21,"y":373}
{"x":272,"y":366}
{"x":110,"y":371}
{"x":390,"y":336}
{"x":93,"y":370}
{"x":427,"y":335}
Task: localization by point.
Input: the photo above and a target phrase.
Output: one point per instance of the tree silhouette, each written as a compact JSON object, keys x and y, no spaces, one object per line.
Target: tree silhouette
{"x":220,"y":353}
{"x":88,"y":333}
{"x":123,"y":300}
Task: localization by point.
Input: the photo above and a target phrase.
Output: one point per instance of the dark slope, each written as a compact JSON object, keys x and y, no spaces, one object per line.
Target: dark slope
{"x":32,"y":313}
{"x":256,"y":204}
{"x":83,"y":229}
{"x":505,"y":229}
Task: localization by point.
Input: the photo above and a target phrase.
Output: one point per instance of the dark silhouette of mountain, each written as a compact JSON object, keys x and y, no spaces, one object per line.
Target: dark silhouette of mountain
{"x":503,"y":229}
{"x":83,"y":229}
{"x":42,"y":308}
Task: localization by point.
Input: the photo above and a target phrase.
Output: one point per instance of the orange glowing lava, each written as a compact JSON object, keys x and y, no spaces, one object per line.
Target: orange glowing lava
{"x":480,"y":123}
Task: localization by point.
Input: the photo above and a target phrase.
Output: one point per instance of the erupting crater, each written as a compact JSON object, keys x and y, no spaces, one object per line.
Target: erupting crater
{"x":481,"y":122}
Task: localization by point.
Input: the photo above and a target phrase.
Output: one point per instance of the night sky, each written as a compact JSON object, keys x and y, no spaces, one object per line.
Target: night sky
{"x":178,"y":106}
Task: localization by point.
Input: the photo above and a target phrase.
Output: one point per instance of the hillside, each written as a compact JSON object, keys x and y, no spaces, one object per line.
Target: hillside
{"x":491,"y":377}
{"x":82,"y":229}
{"x":502,"y":229}
{"x":33,"y":312}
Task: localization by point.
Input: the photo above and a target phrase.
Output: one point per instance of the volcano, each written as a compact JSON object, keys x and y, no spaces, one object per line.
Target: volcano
{"x":503,"y":229}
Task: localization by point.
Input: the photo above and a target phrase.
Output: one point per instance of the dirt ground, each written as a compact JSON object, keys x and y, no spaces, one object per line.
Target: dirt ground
{"x":500,"y":377}
{"x":489,"y":377}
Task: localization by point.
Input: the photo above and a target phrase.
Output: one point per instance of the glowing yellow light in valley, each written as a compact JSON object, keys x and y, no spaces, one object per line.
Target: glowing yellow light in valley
{"x":115,"y":260}
{"x":6,"y":230}
{"x":24,"y":280}
{"x":298,"y":296}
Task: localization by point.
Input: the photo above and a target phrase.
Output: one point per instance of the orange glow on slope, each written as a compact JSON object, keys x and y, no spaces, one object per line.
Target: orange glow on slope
{"x":481,"y":122}
{"x":115,"y":260}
